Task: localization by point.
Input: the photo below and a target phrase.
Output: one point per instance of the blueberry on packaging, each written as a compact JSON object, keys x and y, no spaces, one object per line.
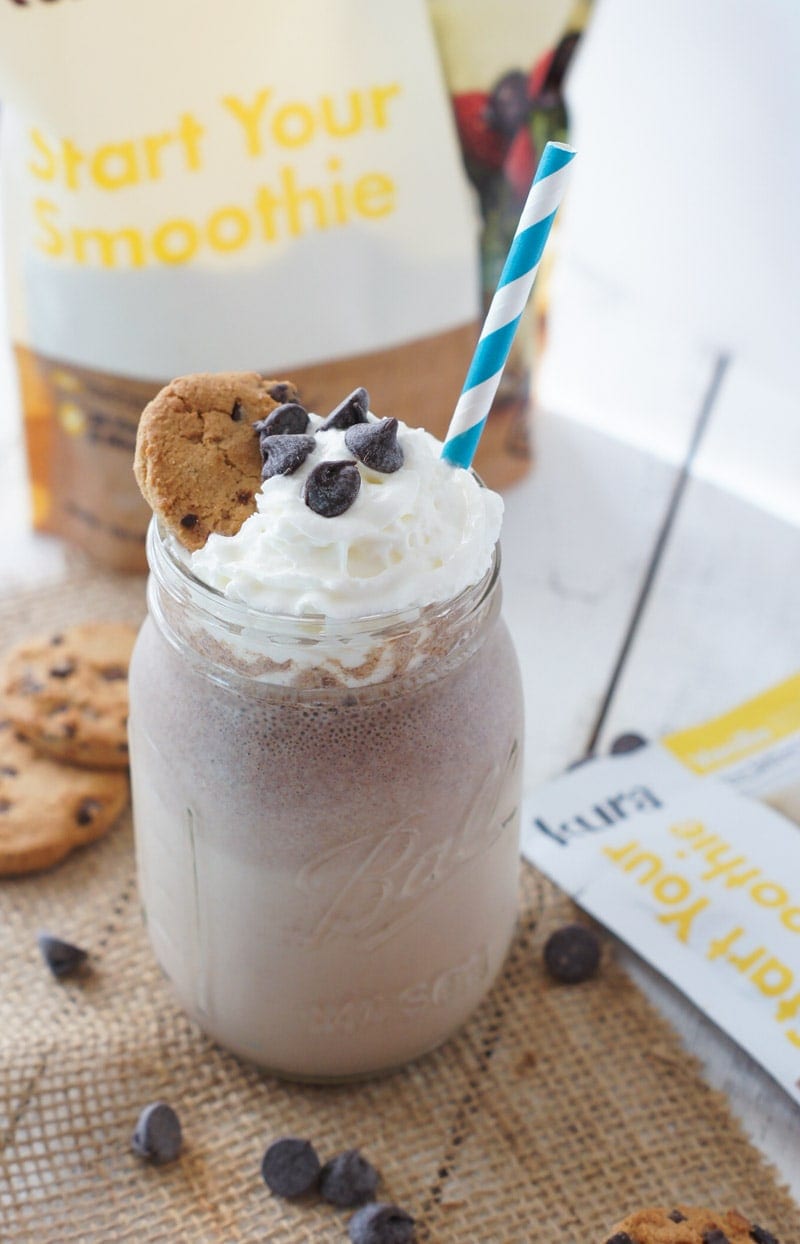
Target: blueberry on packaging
{"x":572,"y":954}
{"x":290,"y":419}
{"x":348,"y":1179}
{"x":379,"y":1223}
{"x":351,"y":411}
{"x":62,"y":958}
{"x":509,"y":106}
{"x":375,"y":444}
{"x":282,"y":455}
{"x":332,"y":487}
{"x":157,"y":1136}
{"x":290,"y":1167}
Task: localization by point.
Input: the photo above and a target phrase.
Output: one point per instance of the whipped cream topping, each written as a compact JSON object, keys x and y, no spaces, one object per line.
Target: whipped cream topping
{"x":411,"y":538}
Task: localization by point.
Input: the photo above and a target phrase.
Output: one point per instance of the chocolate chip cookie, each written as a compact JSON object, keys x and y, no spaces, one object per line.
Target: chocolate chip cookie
{"x":47,"y":809}
{"x":684,"y":1225}
{"x":198,"y":461}
{"x":67,"y":693}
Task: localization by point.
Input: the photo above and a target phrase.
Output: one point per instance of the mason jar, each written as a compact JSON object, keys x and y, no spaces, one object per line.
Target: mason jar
{"x":326,"y":817}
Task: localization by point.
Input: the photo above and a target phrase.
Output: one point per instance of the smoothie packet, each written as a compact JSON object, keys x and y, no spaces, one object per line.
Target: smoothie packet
{"x":279,"y":190}
{"x":697,"y":876}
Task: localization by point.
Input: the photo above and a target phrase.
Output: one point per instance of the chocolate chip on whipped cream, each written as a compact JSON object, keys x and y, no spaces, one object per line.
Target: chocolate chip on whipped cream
{"x":332,"y":487}
{"x":290,"y":419}
{"x":351,"y":411}
{"x":284,"y":454}
{"x":375,"y":444}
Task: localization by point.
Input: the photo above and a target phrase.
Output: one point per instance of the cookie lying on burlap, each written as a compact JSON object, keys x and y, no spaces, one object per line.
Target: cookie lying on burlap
{"x":67,"y":693}
{"x":46,"y":808}
{"x":198,"y":462}
{"x":684,"y":1225}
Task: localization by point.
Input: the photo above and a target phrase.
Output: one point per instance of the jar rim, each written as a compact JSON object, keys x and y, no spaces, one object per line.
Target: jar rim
{"x":173,"y":573}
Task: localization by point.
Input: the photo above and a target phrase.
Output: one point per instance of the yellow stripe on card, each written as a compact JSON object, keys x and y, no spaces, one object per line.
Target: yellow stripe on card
{"x":743,"y":732}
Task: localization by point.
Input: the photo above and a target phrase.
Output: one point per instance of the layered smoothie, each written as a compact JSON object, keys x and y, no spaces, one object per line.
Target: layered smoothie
{"x":326,"y":752}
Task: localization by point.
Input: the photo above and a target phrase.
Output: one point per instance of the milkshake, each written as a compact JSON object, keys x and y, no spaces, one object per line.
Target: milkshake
{"x":326,"y":731}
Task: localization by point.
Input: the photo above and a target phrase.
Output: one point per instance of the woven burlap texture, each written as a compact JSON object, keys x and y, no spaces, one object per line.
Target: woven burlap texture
{"x":553,"y":1113}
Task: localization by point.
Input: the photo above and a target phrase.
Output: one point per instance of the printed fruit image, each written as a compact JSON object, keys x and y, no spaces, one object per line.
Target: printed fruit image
{"x":509,"y":103}
{"x":520,"y":162}
{"x":547,"y":76}
{"x":479,"y":142}
{"x":502,"y":131}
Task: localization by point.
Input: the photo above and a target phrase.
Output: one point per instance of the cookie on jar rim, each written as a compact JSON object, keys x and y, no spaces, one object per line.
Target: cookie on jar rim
{"x":198,"y":461}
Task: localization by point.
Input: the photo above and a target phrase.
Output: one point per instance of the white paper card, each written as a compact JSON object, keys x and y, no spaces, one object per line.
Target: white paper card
{"x":701,"y":881}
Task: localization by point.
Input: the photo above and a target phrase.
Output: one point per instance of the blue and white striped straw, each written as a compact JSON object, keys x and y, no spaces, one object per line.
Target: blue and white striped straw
{"x":507,"y":305}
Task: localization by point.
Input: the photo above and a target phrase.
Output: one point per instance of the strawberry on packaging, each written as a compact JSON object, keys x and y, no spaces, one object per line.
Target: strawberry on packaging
{"x":480,"y":143}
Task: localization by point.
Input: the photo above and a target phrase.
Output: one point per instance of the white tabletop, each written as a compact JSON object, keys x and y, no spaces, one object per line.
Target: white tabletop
{"x":645,"y":597}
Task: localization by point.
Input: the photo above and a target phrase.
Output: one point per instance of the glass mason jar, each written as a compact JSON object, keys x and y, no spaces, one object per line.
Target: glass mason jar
{"x":327,"y":819}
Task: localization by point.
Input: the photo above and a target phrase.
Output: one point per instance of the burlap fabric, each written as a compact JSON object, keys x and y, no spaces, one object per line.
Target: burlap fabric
{"x":553,"y":1113}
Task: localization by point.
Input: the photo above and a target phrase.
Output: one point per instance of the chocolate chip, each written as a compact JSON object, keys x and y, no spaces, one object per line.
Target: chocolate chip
{"x":62,"y":671}
{"x":55,"y":640}
{"x":87,"y":810}
{"x":280,"y":391}
{"x":627,"y":743}
{"x":157,"y":1135}
{"x":189,"y":520}
{"x":62,"y":958}
{"x":284,"y":454}
{"x":290,"y":419}
{"x":351,"y":411}
{"x":761,"y":1236}
{"x":237,"y":411}
{"x":348,"y":1179}
{"x":290,"y":1167}
{"x":621,"y":1237}
{"x":715,"y":1236}
{"x":332,"y":487}
{"x":381,"y":1224}
{"x":375,"y":444}
{"x":677,"y":1216}
{"x":572,"y":954}
{"x":5,"y":805}
{"x":8,"y":771}
{"x":114,"y":673}
{"x":244,"y":496}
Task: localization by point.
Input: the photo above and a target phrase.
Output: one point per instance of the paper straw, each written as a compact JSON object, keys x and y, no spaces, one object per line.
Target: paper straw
{"x":507,"y":305}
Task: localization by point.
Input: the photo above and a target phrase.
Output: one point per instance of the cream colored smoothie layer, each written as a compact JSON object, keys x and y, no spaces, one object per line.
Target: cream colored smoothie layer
{"x":420,"y":534}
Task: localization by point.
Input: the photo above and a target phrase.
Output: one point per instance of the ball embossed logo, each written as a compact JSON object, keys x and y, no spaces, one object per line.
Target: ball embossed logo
{"x":370,"y":886}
